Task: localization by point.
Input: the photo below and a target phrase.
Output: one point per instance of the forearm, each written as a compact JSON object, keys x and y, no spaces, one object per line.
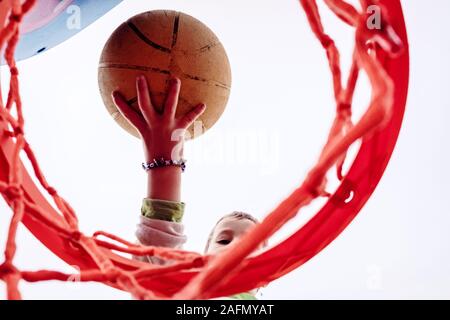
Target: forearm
{"x":161,"y":213}
{"x":164,"y":183}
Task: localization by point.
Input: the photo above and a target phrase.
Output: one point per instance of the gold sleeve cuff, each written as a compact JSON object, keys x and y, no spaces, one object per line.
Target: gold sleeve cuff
{"x":163,"y":209}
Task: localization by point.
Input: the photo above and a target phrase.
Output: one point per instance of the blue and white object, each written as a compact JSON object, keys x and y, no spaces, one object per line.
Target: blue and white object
{"x":51,"y":22}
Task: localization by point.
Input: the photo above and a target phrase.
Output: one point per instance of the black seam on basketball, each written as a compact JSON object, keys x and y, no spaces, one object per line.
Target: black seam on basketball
{"x":213,"y":82}
{"x":176,"y":25}
{"x":106,"y":65}
{"x":147,"y":40}
{"x":208,"y":47}
{"x":133,"y":103}
{"x":220,"y":85}
{"x":132,"y":100}
{"x":137,"y":111}
{"x":199,"y":50}
{"x":134,"y":109}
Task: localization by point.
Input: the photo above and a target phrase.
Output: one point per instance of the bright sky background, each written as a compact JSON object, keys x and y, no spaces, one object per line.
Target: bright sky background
{"x":397,"y":247}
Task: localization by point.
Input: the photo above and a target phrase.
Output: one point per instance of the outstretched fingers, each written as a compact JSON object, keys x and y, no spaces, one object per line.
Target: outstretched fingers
{"x":128,"y":112}
{"x":173,"y":92}
{"x":144,"y":100}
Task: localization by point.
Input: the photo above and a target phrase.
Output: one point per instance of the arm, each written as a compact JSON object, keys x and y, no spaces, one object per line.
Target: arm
{"x":162,"y":136}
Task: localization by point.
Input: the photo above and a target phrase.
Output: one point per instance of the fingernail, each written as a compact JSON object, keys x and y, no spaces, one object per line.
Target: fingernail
{"x":173,"y":81}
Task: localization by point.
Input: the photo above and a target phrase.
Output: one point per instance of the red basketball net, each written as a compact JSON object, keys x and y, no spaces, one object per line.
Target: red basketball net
{"x":194,"y":275}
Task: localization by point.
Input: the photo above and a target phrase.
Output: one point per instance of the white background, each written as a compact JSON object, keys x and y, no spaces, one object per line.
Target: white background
{"x":397,"y":247}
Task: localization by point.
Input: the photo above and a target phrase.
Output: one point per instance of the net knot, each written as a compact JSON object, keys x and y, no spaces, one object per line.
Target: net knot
{"x":344,"y":110}
{"x":13,"y":192}
{"x":76,"y":236}
{"x":16,"y":17}
{"x":51,"y":191}
{"x":326,"y":41}
{"x":6,"y":269}
{"x":18,"y":131}
{"x":14,"y":71}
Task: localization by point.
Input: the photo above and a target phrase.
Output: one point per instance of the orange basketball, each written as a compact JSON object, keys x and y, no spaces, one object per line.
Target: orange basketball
{"x":161,"y":44}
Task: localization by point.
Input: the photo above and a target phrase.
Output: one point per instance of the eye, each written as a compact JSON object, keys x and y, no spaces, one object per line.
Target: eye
{"x":224,"y":242}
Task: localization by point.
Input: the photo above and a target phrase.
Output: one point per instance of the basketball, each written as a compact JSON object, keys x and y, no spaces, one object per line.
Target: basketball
{"x":161,"y":44}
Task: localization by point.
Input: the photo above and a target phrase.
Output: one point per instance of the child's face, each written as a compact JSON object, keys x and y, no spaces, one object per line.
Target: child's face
{"x":228,"y":230}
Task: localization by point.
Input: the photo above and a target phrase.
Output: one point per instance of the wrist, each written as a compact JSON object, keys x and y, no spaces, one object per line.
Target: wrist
{"x":164,"y":172}
{"x":162,"y":162}
{"x":173,"y":151}
{"x":164,"y":183}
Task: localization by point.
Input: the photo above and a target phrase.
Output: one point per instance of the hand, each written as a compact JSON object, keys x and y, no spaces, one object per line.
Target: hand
{"x":162,"y":134}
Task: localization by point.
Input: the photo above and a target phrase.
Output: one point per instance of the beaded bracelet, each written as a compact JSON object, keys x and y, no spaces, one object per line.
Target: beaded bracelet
{"x":161,"y":162}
